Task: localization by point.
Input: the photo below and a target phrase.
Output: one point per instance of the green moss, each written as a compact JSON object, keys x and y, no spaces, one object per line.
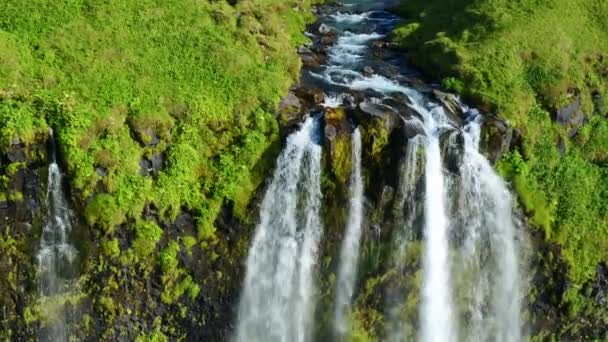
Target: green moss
{"x":147,"y":235}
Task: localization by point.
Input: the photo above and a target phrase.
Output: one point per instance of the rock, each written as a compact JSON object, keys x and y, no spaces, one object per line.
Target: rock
{"x":16,"y":154}
{"x":496,"y":138}
{"x":290,"y":109}
{"x":184,"y":223}
{"x":150,"y":137}
{"x":324,"y":29}
{"x":330,"y":134}
{"x":156,"y":161}
{"x":3,"y":204}
{"x":328,"y":40}
{"x":369,"y":111}
{"x":310,"y":61}
{"x":23,"y":228}
{"x":368,"y":71}
{"x":379,"y":44}
{"x":599,"y":289}
{"x":101,"y":171}
{"x":145,"y":167}
{"x":571,"y":115}
{"x":310,"y":97}
{"x":450,"y":103}
{"x":412,"y":128}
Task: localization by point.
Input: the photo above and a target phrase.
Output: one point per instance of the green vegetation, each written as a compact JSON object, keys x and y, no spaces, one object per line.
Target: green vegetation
{"x":158,"y":107}
{"x":527,"y":60}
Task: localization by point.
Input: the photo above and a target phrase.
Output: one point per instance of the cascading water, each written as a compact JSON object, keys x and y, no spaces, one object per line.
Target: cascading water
{"x":486,"y":211}
{"x":448,"y":194}
{"x":278,"y":293}
{"x":57,"y":257}
{"x":349,"y":256}
{"x":406,"y":211}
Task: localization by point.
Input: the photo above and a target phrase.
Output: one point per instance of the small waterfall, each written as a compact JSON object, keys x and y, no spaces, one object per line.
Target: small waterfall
{"x":406,"y":211}
{"x":349,"y":256}
{"x":486,"y":212}
{"x":436,"y":311}
{"x":278,"y":293}
{"x":57,"y":256}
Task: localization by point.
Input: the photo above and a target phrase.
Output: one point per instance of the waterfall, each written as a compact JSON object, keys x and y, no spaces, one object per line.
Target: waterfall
{"x":349,"y":256}
{"x":486,"y":211}
{"x":406,"y":211}
{"x":57,"y":256}
{"x":437,"y":324}
{"x":278,"y":293}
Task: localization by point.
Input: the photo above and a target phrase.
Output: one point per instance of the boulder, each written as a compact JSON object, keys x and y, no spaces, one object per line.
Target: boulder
{"x":156,"y":162}
{"x":290,"y":109}
{"x":571,"y":116}
{"x":450,"y":103}
{"x":368,"y":71}
{"x":324,"y":29}
{"x":310,"y":97}
{"x":496,"y":138}
{"x":150,"y":138}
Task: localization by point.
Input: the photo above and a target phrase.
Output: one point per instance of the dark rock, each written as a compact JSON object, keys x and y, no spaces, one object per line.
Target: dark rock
{"x":328,"y":40}
{"x":145,"y":167}
{"x":102,"y":171}
{"x":330,"y":133}
{"x":324,"y":29}
{"x":368,"y":71}
{"x":571,"y":115}
{"x":496,"y":138}
{"x":184,"y":223}
{"x":310,"y":97}
{"x":16,"y":154}
{"x":412,"y":128}
{"x":599,"y":288}
{"x":290,"y":110}
{"x":379,"y":44}
{"x":23,"y":228}
{"x":450,"y":103}
{"x":157,"y":160}
{"x":367,"y":111}
{"x":151,"y":138}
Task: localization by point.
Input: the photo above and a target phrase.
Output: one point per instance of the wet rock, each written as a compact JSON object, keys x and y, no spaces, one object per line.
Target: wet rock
{"x":290,"y":110}
{"x":310,"y":97}
{"x":367,"y":111}
{"x":379,"y":44}
{"x":368,"y":71}
{"x":311,"y":59}
{"x":412,"y":128}
{"x":450,"y":103}
{"x":324,"y":29}
{"x":328,"y":40}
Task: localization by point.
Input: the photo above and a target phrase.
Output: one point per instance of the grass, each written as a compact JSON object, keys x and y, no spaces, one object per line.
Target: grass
{"x":525,"y":60}
{"x":121,"y":81}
